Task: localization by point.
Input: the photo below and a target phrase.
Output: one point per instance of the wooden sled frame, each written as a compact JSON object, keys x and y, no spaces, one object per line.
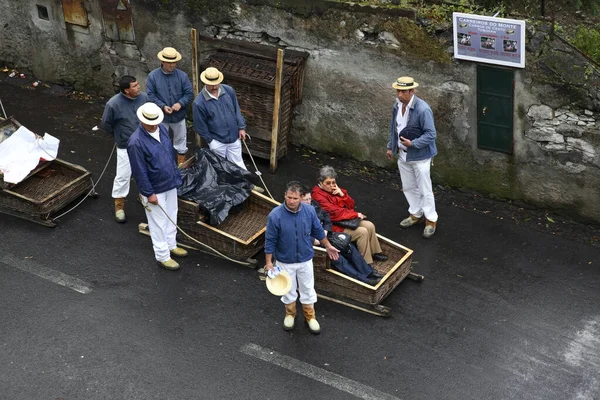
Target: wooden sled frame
{"x":374,"y":308}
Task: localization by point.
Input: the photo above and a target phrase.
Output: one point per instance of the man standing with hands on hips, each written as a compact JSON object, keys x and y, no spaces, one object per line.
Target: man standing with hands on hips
{"x":153,"y":166}
{"x":412,"y":137}
{"x":291,"y":228}
{"x":170,"y":89}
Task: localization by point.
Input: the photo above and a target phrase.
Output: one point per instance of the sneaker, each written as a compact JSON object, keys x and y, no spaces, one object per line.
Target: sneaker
{"x":410,"y":221}
{"x":170,"y":264}
{"x":179,"y":252}
{"x":429,"y":229}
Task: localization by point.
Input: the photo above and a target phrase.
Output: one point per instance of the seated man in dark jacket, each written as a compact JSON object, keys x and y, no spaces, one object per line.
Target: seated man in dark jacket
{"x":351,"y":263}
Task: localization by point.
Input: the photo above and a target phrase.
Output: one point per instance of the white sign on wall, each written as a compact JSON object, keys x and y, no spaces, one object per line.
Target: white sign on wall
{"x":490,"y":40}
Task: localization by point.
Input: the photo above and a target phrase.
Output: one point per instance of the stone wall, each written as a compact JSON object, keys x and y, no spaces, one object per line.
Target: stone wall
{"x":356,"y":52}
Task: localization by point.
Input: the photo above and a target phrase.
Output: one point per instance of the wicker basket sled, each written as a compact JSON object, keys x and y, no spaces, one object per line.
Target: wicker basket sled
{"x":46,"y":190}
{"x":332,"y":285}
{"x":240,"y":237}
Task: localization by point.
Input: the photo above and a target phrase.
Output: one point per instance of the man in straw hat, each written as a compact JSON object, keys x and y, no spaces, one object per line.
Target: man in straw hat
{"x":157,"y":176}
{"x":170,"y":89}
{"x":217,"y":117}
{"x":412,"y":137}
{"x":290,"y":229}
{"x":119,"y":119}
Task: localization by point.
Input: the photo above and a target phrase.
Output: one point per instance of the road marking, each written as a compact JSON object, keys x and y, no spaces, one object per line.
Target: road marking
{"x":50,"y":274}
{"x":318,"y":374}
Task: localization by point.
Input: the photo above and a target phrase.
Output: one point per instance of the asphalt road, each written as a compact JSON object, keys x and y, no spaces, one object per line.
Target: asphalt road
{"x":505,"y":312}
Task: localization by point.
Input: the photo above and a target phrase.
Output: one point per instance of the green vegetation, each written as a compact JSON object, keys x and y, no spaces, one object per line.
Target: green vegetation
{"x":587,"y":39}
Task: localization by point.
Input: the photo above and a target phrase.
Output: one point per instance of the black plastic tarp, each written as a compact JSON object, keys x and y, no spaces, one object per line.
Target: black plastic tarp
{"x":216,"y":184}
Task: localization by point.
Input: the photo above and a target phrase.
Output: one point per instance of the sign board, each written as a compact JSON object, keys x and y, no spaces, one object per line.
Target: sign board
{"x":490,"y":40}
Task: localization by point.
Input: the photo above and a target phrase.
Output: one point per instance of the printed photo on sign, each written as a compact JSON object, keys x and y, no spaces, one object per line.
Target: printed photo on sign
{"x":510,"y":46}
{"x":488,"y":42}
{"x":464,"y":39}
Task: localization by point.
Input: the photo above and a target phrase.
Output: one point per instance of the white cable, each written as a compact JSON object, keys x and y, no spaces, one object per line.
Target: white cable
{"x":197,"y":241}
{"x":3,"y":112}
{"x":93,"y":189}
{"x":256,"y":168}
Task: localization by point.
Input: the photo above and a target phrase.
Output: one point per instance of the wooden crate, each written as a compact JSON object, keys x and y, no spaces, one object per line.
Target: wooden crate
{"x":250,"y":69}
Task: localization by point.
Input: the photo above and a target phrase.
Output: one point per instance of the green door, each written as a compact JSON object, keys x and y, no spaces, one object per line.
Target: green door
{"x":495,"y":88}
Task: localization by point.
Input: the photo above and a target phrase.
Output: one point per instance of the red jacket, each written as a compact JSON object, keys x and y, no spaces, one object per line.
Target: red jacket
{"x":339,"y":208}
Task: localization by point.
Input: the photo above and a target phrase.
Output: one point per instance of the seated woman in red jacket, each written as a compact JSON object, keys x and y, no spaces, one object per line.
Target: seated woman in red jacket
{"x":340,"y":206}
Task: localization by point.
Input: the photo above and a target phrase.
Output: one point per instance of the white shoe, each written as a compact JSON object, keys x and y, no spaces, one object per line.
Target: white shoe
{"x":288,"y":322}
{"x":313,"y":326}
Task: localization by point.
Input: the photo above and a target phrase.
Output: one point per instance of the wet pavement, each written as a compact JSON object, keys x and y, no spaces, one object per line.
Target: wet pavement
{"x":509,"y":308}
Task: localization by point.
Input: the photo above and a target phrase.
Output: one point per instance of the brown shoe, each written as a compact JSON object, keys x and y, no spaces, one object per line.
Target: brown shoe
{"x":180,"y":159}
{"x":120,"y":216}
{"x":410,"y":221}
{"x":429,"y":229}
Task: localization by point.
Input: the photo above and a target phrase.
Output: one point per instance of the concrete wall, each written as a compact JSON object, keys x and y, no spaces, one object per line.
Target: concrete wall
{"x":355,"y":54}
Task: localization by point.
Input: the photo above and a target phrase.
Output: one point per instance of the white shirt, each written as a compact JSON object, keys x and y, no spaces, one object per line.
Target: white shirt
{"x":210,"y":94}
{"x":155,"y":134}
{"x":401,"y":122}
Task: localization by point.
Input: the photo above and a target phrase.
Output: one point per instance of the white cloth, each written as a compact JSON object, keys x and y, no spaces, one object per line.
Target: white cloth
{"x":162,"y":231}
{"x":401,"y":122}
{"x":123,"y":177}
{"x":179,"y":135}
{"x":303,"y":280}
{"x":229,"y":151}
{"x":417,"y":188}
{"x":21,"y":153}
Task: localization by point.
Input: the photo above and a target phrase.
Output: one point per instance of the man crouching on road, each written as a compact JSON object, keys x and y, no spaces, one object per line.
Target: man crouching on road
{"x":290,"y":229}
{"x":153,"y":167}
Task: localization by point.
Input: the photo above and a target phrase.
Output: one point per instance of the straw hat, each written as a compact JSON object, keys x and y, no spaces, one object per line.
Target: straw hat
{"x":150,"y":114}
{"x":211,"y":76}
{"x":405,"y":83}
{"x":281,"y":284}
{"x":169,"y":54}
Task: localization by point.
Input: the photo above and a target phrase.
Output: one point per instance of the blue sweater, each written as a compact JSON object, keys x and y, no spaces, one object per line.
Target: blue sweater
{"x":420,"y":118}
{"x":289,"y":234}
{"x":152,"y":162}
{"x":120,"y":118}
{"x":218,"y":119}
{"x":167,"y":89}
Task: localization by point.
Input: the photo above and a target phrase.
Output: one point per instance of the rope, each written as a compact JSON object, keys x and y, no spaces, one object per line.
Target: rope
{"x":92,"y":190}
{"x":255,"y":167}
{"x":195,"y":240}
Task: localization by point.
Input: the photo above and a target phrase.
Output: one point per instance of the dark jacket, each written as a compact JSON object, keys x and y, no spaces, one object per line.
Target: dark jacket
{"x":120,"y":118}
{"x":152,"y":162}
{"x":323,"y":216}
{"x":167,"y":89}
{"x":218,"y":119}
{"x":421,"y":118}
{"x":289,"y":234}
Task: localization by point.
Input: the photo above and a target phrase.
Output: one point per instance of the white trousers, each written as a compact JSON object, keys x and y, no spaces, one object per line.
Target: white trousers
{"x":162,"y":231}
{"x":416,"y":185}
{"x":229,"y":151}
{"x":123,"y":177}
{"x":179,"y":135}
{"x":303,"y":280}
